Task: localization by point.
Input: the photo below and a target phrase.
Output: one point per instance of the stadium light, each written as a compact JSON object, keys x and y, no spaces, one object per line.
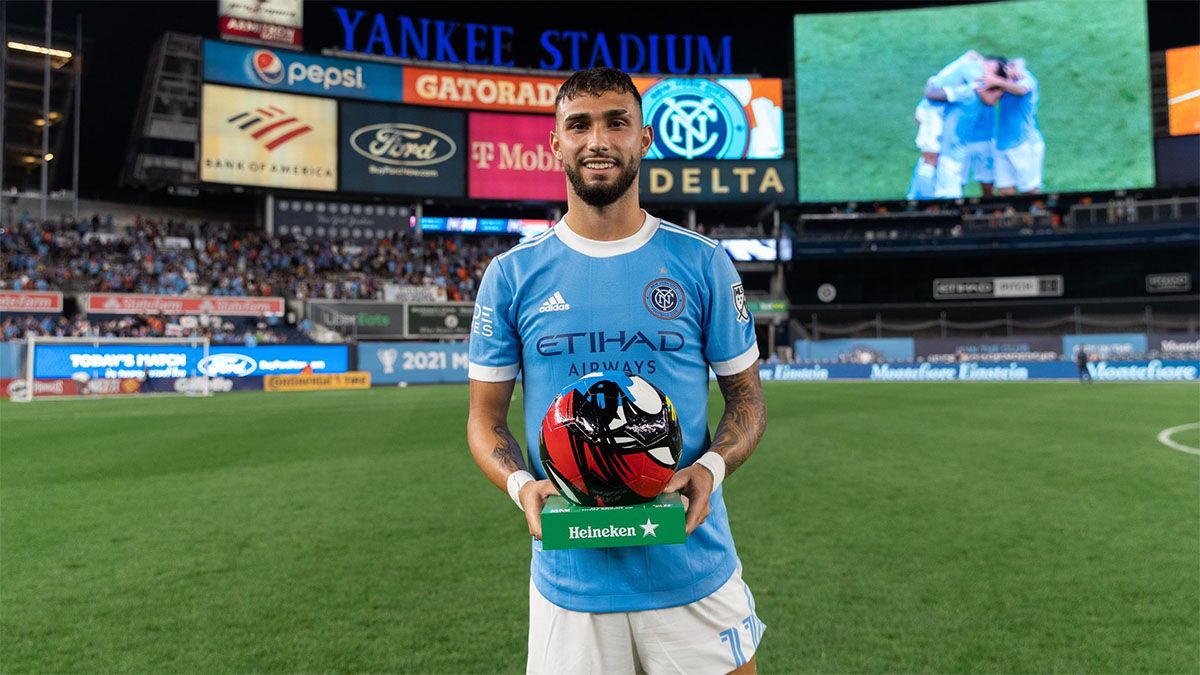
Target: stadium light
{"x":39,"y":50}
{"x":49,"y":156}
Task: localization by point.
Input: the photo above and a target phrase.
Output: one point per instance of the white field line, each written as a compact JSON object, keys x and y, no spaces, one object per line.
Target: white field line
{"x":1165,"y":435}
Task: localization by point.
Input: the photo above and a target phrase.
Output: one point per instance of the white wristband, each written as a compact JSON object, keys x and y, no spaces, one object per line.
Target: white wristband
{"x":516,"y":481}
{"x":715,"y":464}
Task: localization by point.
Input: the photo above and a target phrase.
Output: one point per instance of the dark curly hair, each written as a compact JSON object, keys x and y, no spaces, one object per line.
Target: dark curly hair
{"x":594,"y":82}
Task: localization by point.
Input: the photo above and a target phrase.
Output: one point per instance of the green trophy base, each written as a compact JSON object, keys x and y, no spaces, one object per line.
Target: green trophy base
{"x":567,"y":525}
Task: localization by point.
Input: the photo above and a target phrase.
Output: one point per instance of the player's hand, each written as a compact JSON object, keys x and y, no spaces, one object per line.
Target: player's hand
{"x":695,"y":486}
{"x":533,"y":497}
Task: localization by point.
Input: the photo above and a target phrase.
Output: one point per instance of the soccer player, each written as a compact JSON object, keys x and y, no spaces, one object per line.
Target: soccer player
{"x":1020,"y":148}
{"x":612,"y":283}
{"x":962,"y":116}
{"x":956,"y":79}
{"x":980,"y":140}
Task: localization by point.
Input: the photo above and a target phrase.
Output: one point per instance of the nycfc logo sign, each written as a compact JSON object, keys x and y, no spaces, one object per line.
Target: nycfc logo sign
{"x":664,"y":298}
{"x":401,"y":144}
{"x":695,"y":119}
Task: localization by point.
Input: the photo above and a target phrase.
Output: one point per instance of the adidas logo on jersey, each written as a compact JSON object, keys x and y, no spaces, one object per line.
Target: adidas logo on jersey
{"x":555,"y":303}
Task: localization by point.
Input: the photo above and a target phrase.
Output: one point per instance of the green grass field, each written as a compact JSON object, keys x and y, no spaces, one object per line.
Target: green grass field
{"x":884,"y":528}
{"x":859,"y":77}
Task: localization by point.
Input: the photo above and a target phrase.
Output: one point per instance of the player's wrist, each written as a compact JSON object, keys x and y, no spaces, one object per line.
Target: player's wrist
{"x":715,"y":464}
{"x":516,"y":481}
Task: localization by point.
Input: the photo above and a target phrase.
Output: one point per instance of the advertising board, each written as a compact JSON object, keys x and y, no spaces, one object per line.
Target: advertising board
{"x":413,"y":362}
{"x":132,"y":361}
{"x":301,"y":73}
{"x":278,"y":22}
{"x":407,"y":150}
{"x":268,"y":139}
{"x":728,"y":118}
{"x":31,"y":302}
{"x":317,"y":382}
{"x":511,"y":158}
{"x":438,"y":319}
{"x":717,"y":181}
{"x":138,"y":303}
{"x":1015,"y":371}
{"x":1183,"y":90}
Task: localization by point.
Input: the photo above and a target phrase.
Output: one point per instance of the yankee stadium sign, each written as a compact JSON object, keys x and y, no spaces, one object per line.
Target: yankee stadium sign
{"x":491,"y":45}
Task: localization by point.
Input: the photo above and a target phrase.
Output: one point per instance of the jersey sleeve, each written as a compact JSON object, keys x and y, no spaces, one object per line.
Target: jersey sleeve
{"x":495,"y":349}
{"x":730,"y":346}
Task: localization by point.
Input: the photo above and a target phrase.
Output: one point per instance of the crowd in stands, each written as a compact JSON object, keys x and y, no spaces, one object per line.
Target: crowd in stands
{"x":177,"y":258}
{"x":216,"y":329}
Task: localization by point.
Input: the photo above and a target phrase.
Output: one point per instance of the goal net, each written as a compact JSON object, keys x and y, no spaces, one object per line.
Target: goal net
{"x":57,"y":367}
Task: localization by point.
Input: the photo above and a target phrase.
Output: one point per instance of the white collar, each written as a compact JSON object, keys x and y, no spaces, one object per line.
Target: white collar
{"x":606,"y":249}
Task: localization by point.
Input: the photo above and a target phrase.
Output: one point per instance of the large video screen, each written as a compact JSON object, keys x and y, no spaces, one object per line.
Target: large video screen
{"x":944,"y":102}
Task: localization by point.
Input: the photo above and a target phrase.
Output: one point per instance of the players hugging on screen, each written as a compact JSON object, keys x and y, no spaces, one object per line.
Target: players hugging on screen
{"x":977,"y":121}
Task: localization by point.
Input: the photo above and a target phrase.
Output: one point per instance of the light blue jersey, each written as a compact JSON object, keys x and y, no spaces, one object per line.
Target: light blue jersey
{"x":983,"y":128}
{"x":961,"y":118}
{"x":958,"y":77}
{"x":664,"y":303}
{"x":1018,"y":116}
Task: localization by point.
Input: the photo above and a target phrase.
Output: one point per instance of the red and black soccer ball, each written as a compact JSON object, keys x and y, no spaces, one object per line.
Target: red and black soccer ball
{"x":611,"y":439}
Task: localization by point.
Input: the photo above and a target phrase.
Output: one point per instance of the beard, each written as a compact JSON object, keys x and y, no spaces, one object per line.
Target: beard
{"x":600,"y":194}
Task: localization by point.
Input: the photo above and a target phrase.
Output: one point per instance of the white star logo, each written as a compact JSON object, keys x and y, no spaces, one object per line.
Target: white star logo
{"x":648,"y":528}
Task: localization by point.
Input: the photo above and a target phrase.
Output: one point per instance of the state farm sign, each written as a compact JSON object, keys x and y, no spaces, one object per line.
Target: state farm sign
{"x":31,"y":302}
{"x":511,"y":158}
{"x":130,"y":303}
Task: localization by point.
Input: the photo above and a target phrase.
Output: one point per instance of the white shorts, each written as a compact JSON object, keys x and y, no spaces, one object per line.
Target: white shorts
{"x":948,"y":182}
{"x":980,"y":162}
{"x":716,"y":634}
{"x":930,"y":120}
{"x":1021,"y":166}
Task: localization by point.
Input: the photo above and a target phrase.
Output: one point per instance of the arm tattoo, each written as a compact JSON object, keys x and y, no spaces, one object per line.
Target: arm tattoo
{"x":507,"y":453}
{"x":744,"y":420}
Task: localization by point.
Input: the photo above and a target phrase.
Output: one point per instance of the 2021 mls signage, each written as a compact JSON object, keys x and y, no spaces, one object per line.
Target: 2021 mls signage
{"x":413,"y":362}
{"x":119,"y":361}
{"x":299,"y":73}
{"x":403,"y":150}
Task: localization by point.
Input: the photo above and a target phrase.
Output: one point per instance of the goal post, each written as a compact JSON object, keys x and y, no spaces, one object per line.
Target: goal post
{"x":58,"y":367}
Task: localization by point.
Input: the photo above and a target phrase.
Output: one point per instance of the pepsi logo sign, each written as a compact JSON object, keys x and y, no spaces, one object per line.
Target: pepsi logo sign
{"x":267,"y":66}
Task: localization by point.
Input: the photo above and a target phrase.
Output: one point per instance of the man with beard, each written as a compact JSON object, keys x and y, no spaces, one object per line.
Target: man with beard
{"x":610,"y":282}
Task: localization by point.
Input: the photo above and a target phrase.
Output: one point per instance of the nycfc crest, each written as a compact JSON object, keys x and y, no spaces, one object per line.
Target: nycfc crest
{"x":664,"y":298}
{"x":695,"y":119}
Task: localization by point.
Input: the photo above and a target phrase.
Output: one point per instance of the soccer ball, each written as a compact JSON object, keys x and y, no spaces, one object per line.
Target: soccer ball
{"x":610,"y":439}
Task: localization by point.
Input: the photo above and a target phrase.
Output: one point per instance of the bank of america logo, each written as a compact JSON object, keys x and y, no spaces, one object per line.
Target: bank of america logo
{"x":554,"y":303}
{"x":270,"y":125}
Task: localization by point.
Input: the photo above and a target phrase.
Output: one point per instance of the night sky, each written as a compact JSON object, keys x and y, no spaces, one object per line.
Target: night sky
{"x":118,"y":37}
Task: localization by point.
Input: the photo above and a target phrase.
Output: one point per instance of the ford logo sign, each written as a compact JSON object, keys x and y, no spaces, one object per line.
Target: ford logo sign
{"x":401,"y":144}
{"x":227,"y":365}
